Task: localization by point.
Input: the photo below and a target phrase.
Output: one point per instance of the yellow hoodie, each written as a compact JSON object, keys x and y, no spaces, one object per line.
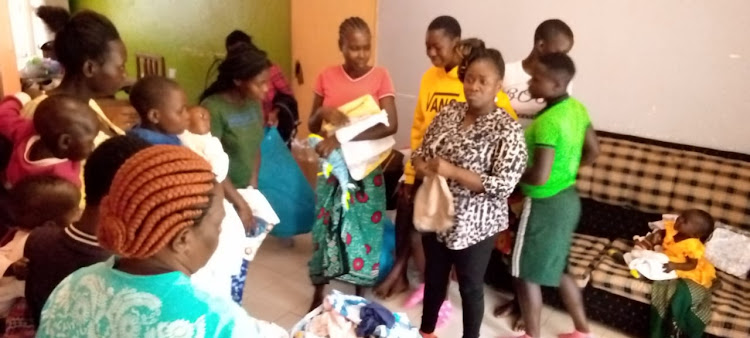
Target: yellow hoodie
{"x":436,"y":90}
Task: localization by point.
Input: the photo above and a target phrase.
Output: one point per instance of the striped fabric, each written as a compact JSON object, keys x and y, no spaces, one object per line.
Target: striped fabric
{"x":614,"y":277}
{"x":585,"y":252}
{"x":657,"y":177}
{"x":730,"y":315}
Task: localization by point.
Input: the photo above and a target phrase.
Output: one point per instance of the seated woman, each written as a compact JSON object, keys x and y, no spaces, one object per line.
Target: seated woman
{"x":162,"y":220}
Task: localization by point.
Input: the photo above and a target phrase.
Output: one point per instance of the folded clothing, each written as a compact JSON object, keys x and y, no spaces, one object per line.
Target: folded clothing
{"x":649,"y":263}
{"x":374,"y":315}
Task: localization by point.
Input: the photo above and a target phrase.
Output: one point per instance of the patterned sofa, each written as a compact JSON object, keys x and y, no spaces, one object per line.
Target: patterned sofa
{"x":634,"y":181}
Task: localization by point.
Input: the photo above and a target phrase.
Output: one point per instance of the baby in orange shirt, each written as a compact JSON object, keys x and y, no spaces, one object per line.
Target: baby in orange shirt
{"x":682,"y":240}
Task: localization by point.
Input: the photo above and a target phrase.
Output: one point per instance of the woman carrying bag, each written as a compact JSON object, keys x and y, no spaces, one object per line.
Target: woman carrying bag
{"x":479,"y":149}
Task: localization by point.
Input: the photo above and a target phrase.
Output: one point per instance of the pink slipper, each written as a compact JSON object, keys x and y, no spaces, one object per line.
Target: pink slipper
{"x":416,"y":297}
{"x":524,"y":336}
{"x":444,"y":315}
{"x":576,"y":334}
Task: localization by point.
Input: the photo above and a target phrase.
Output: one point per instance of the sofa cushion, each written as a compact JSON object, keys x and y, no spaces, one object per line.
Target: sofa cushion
{"x":630,"y":174}
{"x":615,"y":277}
{"x":585,"y":252}
{"x":609,"y":221}
{"x":718,"y":185}
{"x":730,"y":307}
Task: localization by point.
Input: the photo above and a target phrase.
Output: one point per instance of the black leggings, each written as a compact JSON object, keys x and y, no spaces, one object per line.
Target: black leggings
{"x":471,"y":265}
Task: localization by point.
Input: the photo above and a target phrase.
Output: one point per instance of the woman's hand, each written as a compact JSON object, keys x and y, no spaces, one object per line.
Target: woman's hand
{"x":327,"y":146}
{"x":441,"y":167}
{"x":247,"y":218}
{"x":333,"y":116}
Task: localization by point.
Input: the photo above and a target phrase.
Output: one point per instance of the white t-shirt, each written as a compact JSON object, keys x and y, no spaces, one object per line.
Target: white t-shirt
{"x":516,"y":86}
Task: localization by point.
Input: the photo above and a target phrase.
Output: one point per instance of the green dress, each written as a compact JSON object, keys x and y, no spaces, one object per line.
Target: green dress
{"x":240,"y":129}
{"x":347,"y":243}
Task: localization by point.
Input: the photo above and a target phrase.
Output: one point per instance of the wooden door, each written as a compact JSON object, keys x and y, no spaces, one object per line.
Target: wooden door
{"x":315,"y":32}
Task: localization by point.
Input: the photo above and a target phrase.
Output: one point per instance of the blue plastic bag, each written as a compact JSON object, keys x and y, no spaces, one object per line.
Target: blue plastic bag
{"x":283,"y":184}
{"x":388,"y":249}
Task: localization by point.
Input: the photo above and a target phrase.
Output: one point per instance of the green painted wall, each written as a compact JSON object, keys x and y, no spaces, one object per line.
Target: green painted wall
{"x":189,"y":33}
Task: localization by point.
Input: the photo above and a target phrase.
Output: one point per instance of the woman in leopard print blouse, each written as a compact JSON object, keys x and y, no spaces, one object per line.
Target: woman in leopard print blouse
{"x":481,"y":151}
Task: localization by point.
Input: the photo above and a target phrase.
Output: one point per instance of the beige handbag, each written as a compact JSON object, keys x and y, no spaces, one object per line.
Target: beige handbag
{"x":433,"y":205}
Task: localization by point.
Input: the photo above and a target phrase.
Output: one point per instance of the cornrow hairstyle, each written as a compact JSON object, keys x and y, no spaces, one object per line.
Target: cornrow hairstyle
{"x":85,"y":36}
{"x":149,"y":92}
{"x":560,"y":64}
{"x":103,"y":163}
{"x":242,"y":63}
{"x":352,"y":24}
{"x":474,"y":50}
{"x":157,"y":193}
{"x":549,"y":29}
{"x":61,"y":114}
{"x":44,"y":198}
{"x":448,"y":24}
{"x":53,"y":17}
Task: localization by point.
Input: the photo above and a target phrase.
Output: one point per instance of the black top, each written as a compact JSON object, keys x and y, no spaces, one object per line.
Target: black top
{"x":54,"y":253}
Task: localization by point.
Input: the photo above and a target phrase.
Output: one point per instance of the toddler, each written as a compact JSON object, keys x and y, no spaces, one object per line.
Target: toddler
{"x":60,"y":136}
{"x":36,"y":201}
{"x":682,"y":241}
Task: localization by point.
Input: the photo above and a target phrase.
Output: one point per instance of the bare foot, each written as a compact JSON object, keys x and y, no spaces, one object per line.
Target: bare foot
{"x":390,"y":288}
{"x":505,"y":310}
{"x":519,"y":325}
{"x":317,"y":298}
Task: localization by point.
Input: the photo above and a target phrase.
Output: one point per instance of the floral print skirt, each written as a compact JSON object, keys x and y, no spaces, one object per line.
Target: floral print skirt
{"x":347,"y":242}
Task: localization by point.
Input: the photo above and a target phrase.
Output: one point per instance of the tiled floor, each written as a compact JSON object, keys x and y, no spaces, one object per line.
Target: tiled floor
{"x":278,"y":290}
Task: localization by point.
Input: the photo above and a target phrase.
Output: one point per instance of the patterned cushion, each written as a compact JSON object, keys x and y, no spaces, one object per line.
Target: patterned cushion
{"x":730,"y":315}
{"x":585,"y":252}
{"x":614,"y":277}
{"x":658,"y":177}
{"x":630,"y":174}
{"x":718,"y":185}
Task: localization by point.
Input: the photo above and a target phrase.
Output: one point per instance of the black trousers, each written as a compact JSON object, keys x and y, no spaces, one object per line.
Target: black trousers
{"x":471,"y":265}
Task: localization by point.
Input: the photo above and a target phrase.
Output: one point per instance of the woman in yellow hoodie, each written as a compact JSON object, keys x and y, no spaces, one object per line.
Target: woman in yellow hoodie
{"x":440,"y":86}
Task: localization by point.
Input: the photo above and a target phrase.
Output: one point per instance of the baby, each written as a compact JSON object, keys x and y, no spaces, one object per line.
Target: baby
{"x":682,"y":241}
{"x":36,"y":201}
{"x":60,"y":136}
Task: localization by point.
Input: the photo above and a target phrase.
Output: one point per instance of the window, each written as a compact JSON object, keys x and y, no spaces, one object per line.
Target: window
{"x":29,"y":32}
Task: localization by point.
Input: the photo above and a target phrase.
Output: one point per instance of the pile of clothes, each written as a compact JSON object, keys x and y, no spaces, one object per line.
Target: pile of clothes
{"x":343,"y":316}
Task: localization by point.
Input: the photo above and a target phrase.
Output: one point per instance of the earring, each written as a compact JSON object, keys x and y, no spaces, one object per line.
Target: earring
{"x":495,"y":99}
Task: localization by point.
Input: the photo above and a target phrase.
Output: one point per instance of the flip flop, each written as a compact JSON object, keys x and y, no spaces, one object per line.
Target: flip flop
{"x":416,"y":297}
{"x":444,"y":315}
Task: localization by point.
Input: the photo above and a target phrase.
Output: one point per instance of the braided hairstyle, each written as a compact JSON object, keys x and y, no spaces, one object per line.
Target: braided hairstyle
{"x":243,"y":63}
{"x":474,"y":50}
{"x":84,"y":36}
{"x":157,"y":193}
{"x":352,"y":24}
{"x":103,"y":163}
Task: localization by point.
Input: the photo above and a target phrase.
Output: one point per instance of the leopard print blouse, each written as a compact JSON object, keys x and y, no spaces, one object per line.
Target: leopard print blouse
{"x":493,"y":147}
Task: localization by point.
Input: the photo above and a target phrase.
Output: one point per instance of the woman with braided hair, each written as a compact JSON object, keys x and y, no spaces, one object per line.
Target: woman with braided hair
{"x":161,"y":219}
{"x":348,"y":244}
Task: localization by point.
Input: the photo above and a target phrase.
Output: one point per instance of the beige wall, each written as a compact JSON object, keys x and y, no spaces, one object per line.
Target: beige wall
{"x":673,"y":70}
{"x":8,"y":71}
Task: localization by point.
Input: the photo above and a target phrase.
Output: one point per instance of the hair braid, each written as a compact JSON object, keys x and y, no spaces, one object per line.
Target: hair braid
{"x":354,"y":23}
{"x":156,"y":194}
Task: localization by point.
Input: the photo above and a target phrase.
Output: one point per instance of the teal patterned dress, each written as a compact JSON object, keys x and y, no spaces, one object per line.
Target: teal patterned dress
{"x":347,"y":243}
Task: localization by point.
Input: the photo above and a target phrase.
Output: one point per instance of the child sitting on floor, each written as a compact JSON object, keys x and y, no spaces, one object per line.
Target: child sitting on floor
{"x":60,"y":136}
{"x":682,"y":241}
{"x":40,"y":200}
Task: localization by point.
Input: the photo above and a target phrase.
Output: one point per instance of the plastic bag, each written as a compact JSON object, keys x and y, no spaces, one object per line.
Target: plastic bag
{"x":285,"y":187}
